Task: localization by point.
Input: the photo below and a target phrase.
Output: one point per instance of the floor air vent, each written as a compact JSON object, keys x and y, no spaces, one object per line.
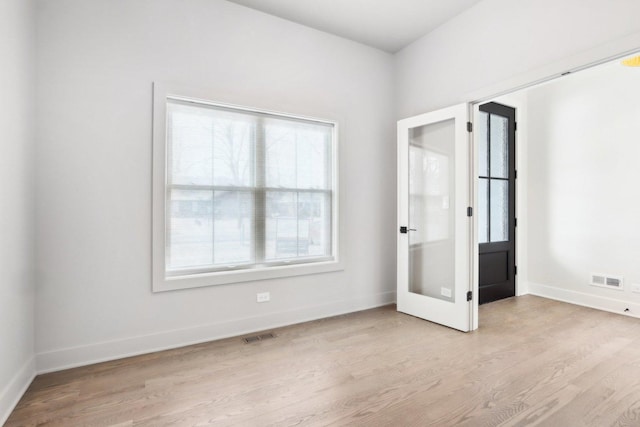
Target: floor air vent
{"x":256,"y":338}
{"x":607,"y":281}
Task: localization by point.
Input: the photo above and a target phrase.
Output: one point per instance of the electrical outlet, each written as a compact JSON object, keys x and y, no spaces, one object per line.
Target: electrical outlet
{"x":263,"y":297}
{"x":635,"y":287}
{"x":445,"y":292}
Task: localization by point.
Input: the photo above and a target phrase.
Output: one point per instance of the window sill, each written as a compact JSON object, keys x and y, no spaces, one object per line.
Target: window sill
{"x":173,"y":283}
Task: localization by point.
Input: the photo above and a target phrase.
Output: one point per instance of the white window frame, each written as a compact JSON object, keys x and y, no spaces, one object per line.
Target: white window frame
{"x":161,"y":281}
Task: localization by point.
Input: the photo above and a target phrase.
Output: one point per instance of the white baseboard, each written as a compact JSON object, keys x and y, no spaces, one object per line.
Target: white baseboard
{"x":587,"y":300}
{"x":66,"y":358}
{"x":11,"y":394}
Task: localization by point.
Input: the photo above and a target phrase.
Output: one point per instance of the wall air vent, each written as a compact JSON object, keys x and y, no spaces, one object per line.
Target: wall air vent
{"x":612,"y":281}
{"x":607,"y":281}
{"x":256,"y":338}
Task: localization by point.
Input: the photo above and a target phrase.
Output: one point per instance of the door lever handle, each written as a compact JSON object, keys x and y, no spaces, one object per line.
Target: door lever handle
{"x":405,"y":230}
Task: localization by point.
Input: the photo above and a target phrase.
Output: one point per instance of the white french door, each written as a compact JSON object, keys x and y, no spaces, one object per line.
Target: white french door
{"x":435,"y":227}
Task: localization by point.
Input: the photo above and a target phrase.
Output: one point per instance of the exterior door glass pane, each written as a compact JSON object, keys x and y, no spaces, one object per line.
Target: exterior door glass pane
{"x":483,"y":158}
{"x":499,"y":210}
{"x":499,"y":167}
{"x":431,"y":210}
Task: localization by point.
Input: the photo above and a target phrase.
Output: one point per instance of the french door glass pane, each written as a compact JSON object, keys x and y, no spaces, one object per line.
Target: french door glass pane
{"x":483,"y":210}
{"x":499,"y":210}
{"x":190,"y":229}
{"x":233,"y":227}
{"x":431,"y":210}
{"x":499,"y":147}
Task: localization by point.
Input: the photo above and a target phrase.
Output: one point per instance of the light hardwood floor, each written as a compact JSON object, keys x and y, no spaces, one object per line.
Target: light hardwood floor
{"x":532,"y":362}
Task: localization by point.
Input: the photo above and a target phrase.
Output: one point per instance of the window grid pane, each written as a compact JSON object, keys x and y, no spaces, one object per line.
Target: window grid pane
{"x":233,"y":227}
{"x":298,"y":224}
{"x":190,"y":241}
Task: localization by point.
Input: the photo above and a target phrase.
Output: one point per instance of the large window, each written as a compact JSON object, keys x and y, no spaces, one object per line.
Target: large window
{"x":244,"y":191}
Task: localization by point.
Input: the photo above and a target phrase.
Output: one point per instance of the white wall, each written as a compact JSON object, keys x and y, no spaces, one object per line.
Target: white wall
{"x":500,"y":40}
{"x":17,"y":59}
{"x":583,"y":176}
{"x":96,"y":62}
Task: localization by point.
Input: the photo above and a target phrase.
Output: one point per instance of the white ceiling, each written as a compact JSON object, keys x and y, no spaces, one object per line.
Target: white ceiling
{"x":389,"y":25}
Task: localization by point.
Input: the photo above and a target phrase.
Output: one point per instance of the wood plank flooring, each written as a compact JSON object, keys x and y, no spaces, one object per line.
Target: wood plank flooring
{"x":532,"y":362}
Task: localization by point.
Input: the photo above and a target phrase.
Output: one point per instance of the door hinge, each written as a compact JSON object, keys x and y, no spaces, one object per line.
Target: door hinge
{"x":469,"y":127}
{"x":515,"y":270}
{"x":469,"y":211}
{"x":515,"y":174}
{"x":469,"y":296}
{"x":515,"y":222}
{"x":403,"y":230}
{"x":515,"y":125}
